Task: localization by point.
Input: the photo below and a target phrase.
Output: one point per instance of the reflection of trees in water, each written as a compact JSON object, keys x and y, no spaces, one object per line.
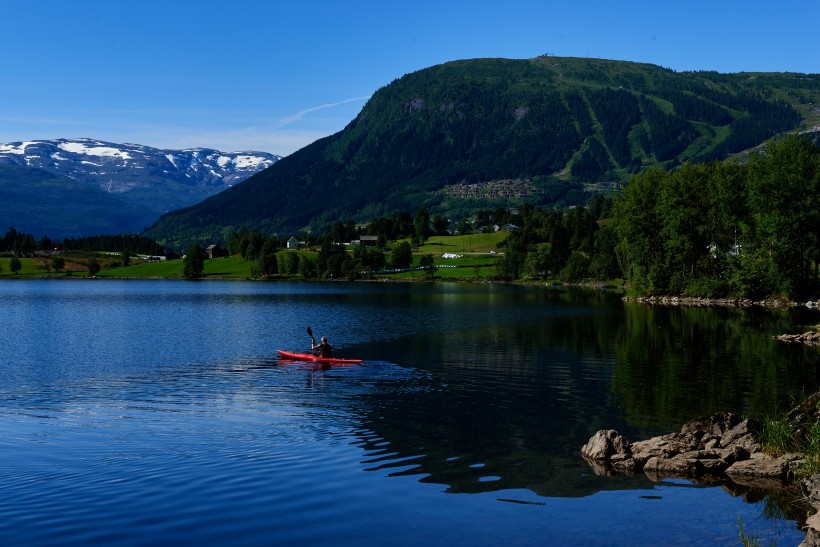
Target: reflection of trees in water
{"x":504,"y":406}
{"x":507,"y":405}
{"x":675,"y":363}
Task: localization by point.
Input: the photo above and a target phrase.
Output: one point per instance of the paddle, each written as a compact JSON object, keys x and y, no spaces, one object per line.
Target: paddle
{"x":312,"y":340}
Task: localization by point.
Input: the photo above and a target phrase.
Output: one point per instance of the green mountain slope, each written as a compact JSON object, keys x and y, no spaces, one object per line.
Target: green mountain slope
{"x":548,"y":123}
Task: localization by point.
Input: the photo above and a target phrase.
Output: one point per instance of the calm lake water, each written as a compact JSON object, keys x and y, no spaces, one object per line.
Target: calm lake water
{"x":156,"y":412}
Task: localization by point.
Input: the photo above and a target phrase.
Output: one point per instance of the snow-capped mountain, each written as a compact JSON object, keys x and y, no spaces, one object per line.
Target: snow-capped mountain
{"x":148,"y":180}
{"x":123,"y":168}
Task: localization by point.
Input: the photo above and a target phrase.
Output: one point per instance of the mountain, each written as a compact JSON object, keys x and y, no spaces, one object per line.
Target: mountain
{"x":499,"y":132}
{"x":37,"y":202}
{"x":128,"y":186}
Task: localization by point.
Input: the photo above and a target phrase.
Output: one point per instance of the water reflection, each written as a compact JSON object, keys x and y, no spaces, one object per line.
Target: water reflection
{"x":507,"y":405}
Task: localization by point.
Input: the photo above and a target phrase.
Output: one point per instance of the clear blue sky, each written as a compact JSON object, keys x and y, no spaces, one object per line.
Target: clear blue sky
{"x":274,"y":76}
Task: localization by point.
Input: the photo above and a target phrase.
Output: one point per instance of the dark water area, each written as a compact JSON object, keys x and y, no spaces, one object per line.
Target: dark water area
{"x":156,"y":412}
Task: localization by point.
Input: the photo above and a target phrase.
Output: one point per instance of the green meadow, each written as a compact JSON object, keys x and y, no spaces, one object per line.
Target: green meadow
{"x":477,"y":255}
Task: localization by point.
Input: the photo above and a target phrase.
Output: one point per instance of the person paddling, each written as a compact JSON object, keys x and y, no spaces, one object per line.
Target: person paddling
{"x":324,"y":349}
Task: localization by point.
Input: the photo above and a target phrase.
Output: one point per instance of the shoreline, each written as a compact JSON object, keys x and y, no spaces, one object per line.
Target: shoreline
{"x":774,"y":303}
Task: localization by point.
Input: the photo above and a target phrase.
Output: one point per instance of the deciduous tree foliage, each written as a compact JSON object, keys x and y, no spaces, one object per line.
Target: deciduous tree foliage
{"x":714,"y":229}
{"x":194,"y":262}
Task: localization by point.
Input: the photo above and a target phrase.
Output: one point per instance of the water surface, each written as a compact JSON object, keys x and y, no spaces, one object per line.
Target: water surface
{"x":156,"y":412}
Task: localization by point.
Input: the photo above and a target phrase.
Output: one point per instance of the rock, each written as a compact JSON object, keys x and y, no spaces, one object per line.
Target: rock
{"x":673,"y":467}
{"x":714,"y":466}
{"x":734,"y":454}
{"x":811,"y":489}
{"x":711,"y":443}
{"x":665,"y":446}
{"x":604,"y":444}
{"x":625,"y":464}
{"x":760,"y":467}
{"x":739,"y":431}
{"x":811,"y":338}
{"x":812,"y":531}
{"x":714,"y":425}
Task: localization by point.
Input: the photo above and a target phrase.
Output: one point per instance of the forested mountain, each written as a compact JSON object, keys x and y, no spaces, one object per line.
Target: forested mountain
{"x":492,"y":132}
{"x":38,"y":202}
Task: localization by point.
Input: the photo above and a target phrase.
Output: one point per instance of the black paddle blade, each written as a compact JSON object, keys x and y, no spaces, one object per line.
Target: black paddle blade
{"x":310,"y":332}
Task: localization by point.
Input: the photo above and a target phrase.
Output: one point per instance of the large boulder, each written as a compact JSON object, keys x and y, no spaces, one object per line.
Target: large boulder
{"x":605,"y":444}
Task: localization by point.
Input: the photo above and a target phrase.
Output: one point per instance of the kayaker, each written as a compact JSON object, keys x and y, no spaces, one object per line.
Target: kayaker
{"x":324,"y":348}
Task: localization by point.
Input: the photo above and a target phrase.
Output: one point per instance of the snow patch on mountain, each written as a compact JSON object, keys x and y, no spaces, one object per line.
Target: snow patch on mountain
{"x":247,"y":162}
{"x":16,"y":147}
{"x":82,"y":148}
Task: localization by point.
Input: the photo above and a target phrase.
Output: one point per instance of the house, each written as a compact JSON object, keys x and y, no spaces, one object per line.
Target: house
{"x":293,"y":243}
{"x":215,"y":251}
{"x":369,"y":241}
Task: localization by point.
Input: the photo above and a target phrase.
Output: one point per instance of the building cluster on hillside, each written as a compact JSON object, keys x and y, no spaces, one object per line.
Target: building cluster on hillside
{"x":507,"y":188}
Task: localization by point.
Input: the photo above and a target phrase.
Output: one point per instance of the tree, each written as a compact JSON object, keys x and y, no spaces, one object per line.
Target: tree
{"x":266,"y":263}
{"x":604,"y":264}
{"x":15,"y":265}
{"x":422,"y":225}
{"x":427,"y":262}
{"x":402,"y":255}
{"x":784,"y":188}
{"x":291,"y":265}
{"x":440,"y":225}
{"x":639,"y":228}
{"x":93,"y":266}
{"x":194,"y":262}
{"x":307,"y":267}
{"x":126,"y":258}
{"x":537,"y":263}
{"x":58,"y":263}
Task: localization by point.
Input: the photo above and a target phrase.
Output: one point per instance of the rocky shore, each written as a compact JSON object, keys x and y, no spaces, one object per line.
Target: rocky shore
{"x":720,"y":449}
{"x":727,"y":302}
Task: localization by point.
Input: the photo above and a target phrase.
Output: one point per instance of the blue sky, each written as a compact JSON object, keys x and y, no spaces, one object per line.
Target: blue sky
{"x":275,"y":76}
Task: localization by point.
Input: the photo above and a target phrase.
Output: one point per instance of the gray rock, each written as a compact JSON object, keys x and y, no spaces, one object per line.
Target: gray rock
{"x":811,"y":489}
{"x":665,"y":446}
{"x":812,"y":532}
{"x":714,"y":425}
{"x":742,"y":429}
{"x":760,"y":467}
{"x":673,"y":467}
{"x":604,"y":444}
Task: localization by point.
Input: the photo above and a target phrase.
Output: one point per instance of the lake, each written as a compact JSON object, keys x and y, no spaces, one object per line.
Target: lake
{"x":157,"y":412}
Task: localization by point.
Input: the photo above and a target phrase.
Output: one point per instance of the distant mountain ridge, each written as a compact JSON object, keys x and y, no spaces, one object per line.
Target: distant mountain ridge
{"x":147,"y":181}
{"x":555,"y":123}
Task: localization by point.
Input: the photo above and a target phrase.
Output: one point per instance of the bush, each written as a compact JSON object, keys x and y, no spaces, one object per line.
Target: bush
{"x":707,"y":287}
{"x":577,"y":267}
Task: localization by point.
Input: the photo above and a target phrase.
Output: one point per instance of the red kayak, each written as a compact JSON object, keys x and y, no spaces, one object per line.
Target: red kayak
{"x":312,"y":358}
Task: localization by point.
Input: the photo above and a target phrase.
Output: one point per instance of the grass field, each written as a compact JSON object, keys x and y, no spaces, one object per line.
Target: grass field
{"x":478,"y":254}
{"x":473,"y":243}
{"x":29,"y":267}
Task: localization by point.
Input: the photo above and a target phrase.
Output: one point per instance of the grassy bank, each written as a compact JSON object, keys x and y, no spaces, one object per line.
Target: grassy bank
{"x":468,"y":257}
